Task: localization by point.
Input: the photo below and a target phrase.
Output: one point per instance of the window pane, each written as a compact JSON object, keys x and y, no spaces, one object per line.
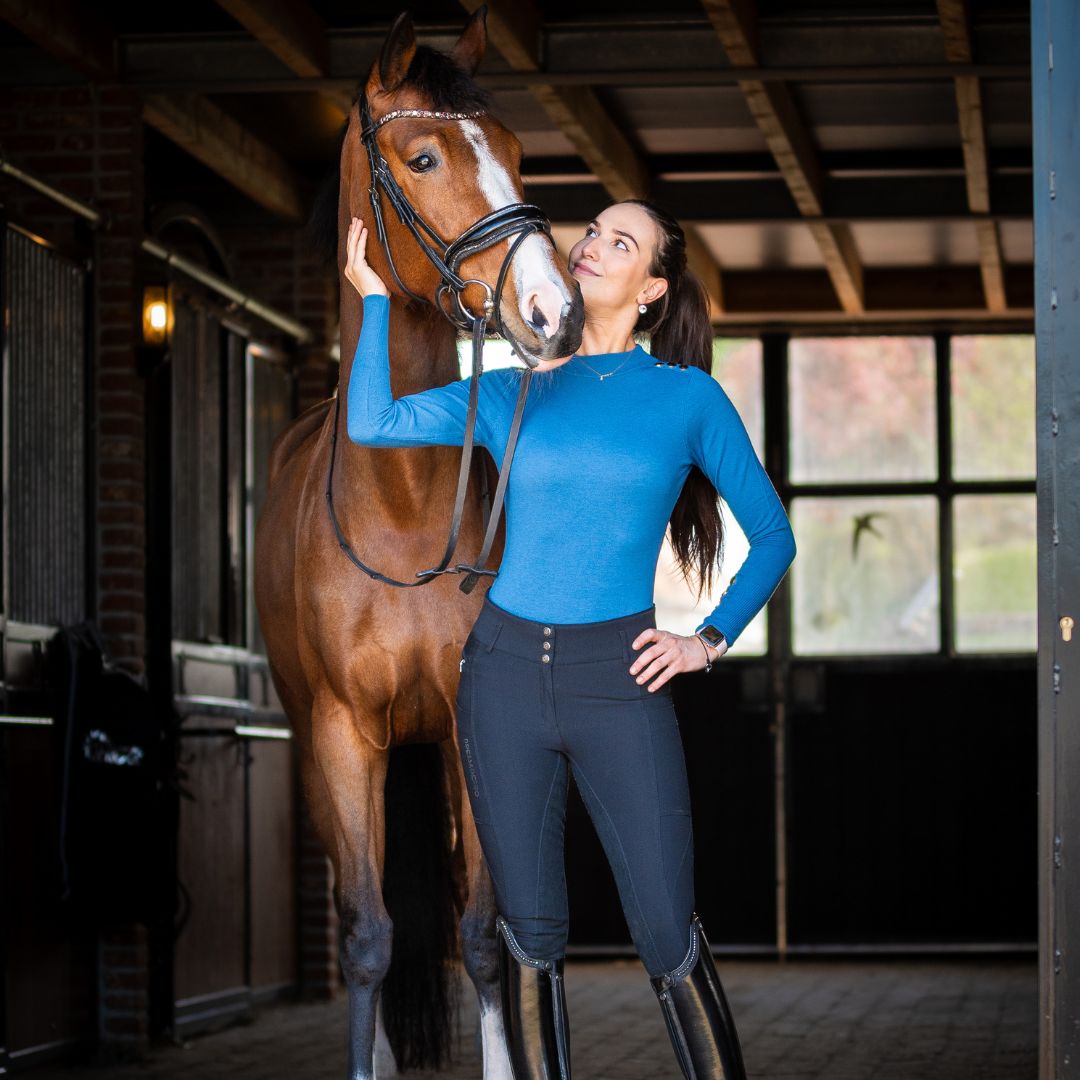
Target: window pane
{"x":862,"y":408}
{"x":270,"y":386}
{"x":866,"y":578}
{"x":737,"y":366}
{"x":198,"y":473}
{"x":497,"y":354}
{"x":994,"y":574}
{"x":677,"y":606}
{"x":993,"y":407}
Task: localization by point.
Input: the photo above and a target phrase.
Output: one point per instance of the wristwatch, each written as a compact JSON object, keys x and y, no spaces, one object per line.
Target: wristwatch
{"x":710,"y":636}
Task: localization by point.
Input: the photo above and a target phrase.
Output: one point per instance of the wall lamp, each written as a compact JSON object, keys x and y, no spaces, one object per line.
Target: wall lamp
{"x":157,"y":315}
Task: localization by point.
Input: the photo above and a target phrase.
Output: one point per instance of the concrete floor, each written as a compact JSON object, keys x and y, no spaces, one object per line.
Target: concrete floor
{"x":863,"y":1019}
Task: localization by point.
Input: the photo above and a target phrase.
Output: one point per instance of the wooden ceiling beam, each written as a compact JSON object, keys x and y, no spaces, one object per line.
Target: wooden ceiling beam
{"x":514,"y":29}
{"x":71,"y":32}
{"x":920,"y":201}
{"x":75,"y":35}
{"x":584,"y":120}
{"x":700,"y":259}
{"x":295,"y":33}
{"x":956,"y":29}
{"x":160,"y":67}
{"x":788,"y":139}
{"x":213,"y":137}
{"x":889,"y":290}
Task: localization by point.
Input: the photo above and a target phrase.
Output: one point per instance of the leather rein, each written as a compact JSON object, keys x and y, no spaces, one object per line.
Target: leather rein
{"x":521,"y":218}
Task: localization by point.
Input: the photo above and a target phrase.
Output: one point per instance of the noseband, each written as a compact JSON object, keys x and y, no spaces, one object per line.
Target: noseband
{"x":523,"y":219}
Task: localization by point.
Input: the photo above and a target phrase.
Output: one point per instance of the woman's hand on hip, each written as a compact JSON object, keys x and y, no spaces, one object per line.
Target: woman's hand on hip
{"x":668,"y":654}
{"x":365,"y":280}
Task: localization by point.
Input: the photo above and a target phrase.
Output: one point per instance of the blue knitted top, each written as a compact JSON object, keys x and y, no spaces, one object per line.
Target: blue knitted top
{"x":597,"y":471}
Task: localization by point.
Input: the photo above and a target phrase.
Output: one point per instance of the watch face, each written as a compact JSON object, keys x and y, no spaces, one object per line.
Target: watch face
{"x":711,"y":635}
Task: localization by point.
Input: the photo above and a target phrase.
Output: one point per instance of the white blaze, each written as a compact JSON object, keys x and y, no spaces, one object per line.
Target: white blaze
{"x":534,"y":270}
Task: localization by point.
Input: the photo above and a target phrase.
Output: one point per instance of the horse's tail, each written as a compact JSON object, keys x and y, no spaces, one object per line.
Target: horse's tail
{"x":419,"y":992}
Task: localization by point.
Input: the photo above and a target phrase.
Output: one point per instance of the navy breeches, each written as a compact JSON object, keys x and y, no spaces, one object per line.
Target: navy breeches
{"x":538,"y":699}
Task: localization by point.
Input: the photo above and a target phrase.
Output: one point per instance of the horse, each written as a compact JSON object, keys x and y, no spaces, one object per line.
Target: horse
{"x":367,"y":673}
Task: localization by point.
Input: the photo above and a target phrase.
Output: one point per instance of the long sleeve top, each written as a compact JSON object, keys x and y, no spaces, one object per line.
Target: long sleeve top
{"x":596,"y":474}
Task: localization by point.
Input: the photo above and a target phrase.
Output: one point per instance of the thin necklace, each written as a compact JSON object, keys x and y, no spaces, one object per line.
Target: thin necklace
{"x":606,"y":374}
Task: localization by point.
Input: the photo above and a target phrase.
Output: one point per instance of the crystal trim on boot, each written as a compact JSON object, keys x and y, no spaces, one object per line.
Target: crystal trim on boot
{"x":534,"y":1010}
{"x":697,"y":1015}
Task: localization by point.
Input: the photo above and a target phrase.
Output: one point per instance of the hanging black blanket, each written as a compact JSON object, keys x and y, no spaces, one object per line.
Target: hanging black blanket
{"x":116,"y":780}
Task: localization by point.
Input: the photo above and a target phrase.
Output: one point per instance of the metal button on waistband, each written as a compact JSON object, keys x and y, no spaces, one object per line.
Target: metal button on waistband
{"x":546,"y":658}
{"x":547,"y":644}
{"x":547,"y":631}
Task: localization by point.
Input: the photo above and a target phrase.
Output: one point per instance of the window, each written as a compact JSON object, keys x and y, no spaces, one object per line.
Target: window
{"x":737,"y":364}
{"x":206,"y":416}
{"x":881,"y":506}
{"x":497,"y":354}
{"x":994,"y":531}
{"x":866,"y":576}
{"x":993,"y":407}
{"x":862,"y":409}
{"x":44,"y":534}
{"x":230,"y":399}
{"x":270,"y":397}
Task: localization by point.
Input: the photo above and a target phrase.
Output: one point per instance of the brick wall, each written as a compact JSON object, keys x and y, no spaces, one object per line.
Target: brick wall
{"x":279,"y":266}
{"x":88,"y":143}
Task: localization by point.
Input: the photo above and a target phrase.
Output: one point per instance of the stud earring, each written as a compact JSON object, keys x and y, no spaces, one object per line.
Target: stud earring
{"x":642,"y":308}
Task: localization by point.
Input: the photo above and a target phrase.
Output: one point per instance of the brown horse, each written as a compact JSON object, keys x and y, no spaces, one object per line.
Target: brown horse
{"x":361,"y":667}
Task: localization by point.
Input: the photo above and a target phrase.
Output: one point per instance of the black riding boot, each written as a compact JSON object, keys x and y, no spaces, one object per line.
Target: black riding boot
{"x":697,"y":1015}
{"x":534,"y":1011}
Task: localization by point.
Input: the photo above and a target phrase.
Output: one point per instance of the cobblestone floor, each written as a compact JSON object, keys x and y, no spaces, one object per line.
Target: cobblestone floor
{"x":880,"y":1019}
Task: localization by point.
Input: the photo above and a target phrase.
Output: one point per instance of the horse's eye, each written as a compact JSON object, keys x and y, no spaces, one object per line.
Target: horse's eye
{"x":422,"y":163}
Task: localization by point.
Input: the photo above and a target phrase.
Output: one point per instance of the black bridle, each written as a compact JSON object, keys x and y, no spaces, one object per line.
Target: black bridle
{"x":521,"y":218}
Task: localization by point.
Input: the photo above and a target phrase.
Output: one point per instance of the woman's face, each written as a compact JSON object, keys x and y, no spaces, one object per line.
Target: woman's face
{"x":611,"y":261}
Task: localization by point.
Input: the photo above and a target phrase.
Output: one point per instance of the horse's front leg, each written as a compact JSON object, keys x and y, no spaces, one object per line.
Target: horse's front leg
{"x":354,"y":776}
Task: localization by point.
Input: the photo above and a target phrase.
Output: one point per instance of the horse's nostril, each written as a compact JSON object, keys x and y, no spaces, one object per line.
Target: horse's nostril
{"x":541,"y":309}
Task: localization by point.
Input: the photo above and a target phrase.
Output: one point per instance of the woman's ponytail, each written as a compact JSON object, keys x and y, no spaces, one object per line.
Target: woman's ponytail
{"x":680,"y":332}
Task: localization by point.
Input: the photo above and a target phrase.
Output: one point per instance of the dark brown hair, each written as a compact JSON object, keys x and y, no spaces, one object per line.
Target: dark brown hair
{"x":680,"y":332}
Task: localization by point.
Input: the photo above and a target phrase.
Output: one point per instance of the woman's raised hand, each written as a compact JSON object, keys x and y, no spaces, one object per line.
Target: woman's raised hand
{"x":365,"y":280}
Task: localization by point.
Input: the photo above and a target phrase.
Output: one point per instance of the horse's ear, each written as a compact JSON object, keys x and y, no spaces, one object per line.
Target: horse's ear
{"x":397,"y":52}
{"x":469,"y":49}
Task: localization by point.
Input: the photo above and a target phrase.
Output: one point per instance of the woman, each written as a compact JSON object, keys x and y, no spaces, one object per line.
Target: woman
{"x":565,"y":667}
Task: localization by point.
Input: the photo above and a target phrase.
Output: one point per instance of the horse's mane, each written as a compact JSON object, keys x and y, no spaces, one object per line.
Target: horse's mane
{"x":440,"y":81}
